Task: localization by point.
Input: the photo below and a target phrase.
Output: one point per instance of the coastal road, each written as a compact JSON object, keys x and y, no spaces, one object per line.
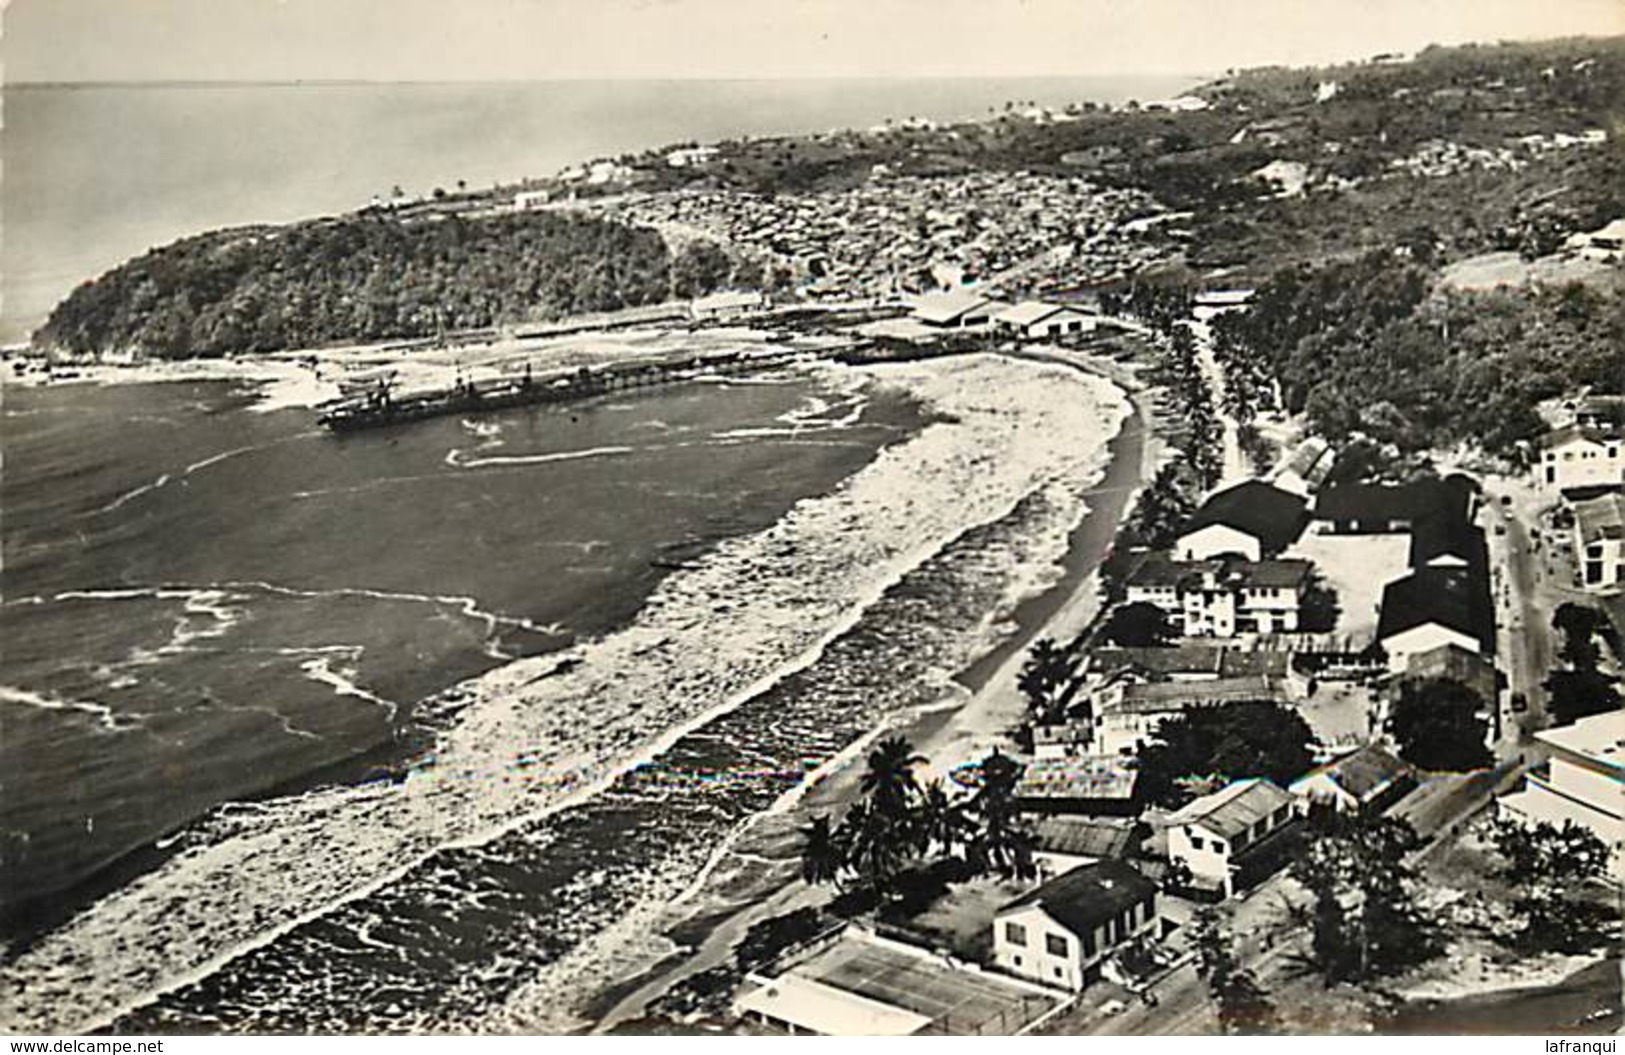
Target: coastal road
{"x":1236,"y":468}
{"x":1524,"y":607}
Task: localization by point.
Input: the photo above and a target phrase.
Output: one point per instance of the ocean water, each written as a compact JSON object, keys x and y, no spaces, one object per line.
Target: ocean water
{"x":412,"y":728}
{"x":563,"y":796}
{"x":201,"y":603}
{"x":97,"y":174}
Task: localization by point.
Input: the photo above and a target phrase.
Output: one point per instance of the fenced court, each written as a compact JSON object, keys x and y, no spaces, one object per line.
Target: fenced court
{"x":956,"y":1001}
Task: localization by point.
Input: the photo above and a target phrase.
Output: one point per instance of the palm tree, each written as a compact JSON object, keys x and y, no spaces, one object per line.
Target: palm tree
{"x":942,"y":822}
{"x":1002,"y":844}
{"x":875,"y":851}
{"x":822,"y":855}
{"x":1045,"y":677}
{"x":889,"y":780}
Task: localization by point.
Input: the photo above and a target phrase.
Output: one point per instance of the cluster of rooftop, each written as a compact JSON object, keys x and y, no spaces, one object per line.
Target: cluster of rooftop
{"x":892,"y":234}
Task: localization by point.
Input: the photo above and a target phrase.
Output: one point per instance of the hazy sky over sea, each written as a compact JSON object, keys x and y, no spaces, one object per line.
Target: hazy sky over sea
{"x":98,"y":40}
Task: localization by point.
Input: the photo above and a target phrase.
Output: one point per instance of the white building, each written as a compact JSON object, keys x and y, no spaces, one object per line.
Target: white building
{"x":1061,"y":933}
{"x":1223,"y":598}
{"x":1578,"y":456}
{"x":1433,"y":607}
{"x":1127,"y":715}
{"x":1584,"y":782}
{"x":1599,"y":541}
{"x":960,"y":309}
{"x":1253,"y":519}
{"x":1215,"y":302}
{"x":1036,"y":320}
{"x":531,"y":199}
{"x":1212,"y":834}
{"x":687,"y":157}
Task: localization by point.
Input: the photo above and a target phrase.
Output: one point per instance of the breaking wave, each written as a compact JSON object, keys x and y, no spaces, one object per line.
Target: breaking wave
{"x":603,"y":778}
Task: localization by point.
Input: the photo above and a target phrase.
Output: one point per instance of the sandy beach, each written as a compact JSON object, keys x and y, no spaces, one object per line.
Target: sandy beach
{"x":757,"y":877}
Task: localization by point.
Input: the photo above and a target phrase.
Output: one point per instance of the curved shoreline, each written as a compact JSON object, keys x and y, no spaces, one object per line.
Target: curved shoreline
{"x":998,"y":419}
{"x":715,"y":913}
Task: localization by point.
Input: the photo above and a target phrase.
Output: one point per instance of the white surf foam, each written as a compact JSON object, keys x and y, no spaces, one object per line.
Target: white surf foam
{"x":706,"y":639}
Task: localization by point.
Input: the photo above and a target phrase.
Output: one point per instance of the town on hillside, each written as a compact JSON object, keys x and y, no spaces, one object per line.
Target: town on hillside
{"x":1342,"y":740}
{"x":1330,"y":737}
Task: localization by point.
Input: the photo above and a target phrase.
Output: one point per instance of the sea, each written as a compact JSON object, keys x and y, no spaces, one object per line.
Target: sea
{"x":382,"y":731}
{"x":98,"y":173}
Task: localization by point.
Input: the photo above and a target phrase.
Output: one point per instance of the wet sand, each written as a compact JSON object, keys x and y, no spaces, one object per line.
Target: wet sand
{"x":758,"y":877}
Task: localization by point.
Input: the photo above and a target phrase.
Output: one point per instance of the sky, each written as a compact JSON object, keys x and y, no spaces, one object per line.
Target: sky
{"x":116,"y":40}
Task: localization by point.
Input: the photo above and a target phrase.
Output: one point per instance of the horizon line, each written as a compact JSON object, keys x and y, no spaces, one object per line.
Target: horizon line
{"x":292,"y":82}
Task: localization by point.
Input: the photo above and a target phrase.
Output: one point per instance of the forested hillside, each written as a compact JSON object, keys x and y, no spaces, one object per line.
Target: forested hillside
{"x":1371,"y":346}
{"x":371,"y":276}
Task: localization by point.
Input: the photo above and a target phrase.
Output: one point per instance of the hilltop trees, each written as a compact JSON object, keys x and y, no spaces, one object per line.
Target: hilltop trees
{"x":374,"y":276}
{"x":1450,"y":366}
{"x":1436,"y":723}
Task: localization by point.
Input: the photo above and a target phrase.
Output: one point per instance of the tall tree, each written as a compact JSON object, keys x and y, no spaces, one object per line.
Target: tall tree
{"x":823,"y":857}
{"x":889,"y":782}
{"x":1366,"y":922}
{"x":1576,"y":694}
{"x":877,"y":850}
{"x":1046,"y":678}
{"x":1435,"y":721}
{"x":1161,"y":509}
{"x":1138,"y":625}
{"x":1000,"y":843}
{"x":943,"y":825}
{"x":1553,"y":868}
{"x":1244,"y":1007}
{"x":1240,"y":738}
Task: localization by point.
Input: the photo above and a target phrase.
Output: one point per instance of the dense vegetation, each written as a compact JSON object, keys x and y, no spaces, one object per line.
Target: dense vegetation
{"x":1449,"y":367}
{"x":1365,"y":920}
{"x":1555,"y":871}
{"x":1436,"y":723}
{"x":373,"y":276}
{"x":1206,"y":747}
{"x":900,"y":829}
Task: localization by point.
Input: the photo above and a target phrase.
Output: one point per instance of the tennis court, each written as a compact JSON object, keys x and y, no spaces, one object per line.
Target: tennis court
{"x":955,"y":1000}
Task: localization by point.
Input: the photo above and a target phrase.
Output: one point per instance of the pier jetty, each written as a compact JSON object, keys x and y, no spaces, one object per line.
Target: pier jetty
{"x":374,"y":402}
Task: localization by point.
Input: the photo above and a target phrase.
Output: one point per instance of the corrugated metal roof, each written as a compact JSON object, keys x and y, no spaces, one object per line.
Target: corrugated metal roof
{"x":1234,"y":809}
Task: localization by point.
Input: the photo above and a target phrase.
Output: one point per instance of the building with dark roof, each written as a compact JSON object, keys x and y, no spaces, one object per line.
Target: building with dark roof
{"x":1454,"y":663}
{"x":1253,"y":519}
{"x":1368,"y":781}
{"x":1223,"y":598}
{"x":1445,"y":542}
{"x":1061,"y":933}
{"x":1384,"y":509}
{"x":1432,"y":607}
{"x":1082,"y":839}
